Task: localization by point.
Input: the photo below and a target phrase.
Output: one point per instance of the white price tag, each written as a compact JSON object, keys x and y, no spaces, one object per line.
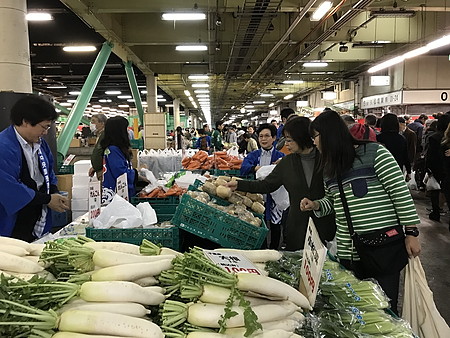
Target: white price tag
{"x":94,"y":201}
{"x":231,"y":262}
{"x":122,"y":186}
{"x":314,"y":254}
{"x":68,"y":159}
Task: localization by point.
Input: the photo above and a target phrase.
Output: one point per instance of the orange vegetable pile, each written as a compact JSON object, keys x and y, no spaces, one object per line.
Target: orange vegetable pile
{"x":159,"y":192}
{"x":219,"y":160}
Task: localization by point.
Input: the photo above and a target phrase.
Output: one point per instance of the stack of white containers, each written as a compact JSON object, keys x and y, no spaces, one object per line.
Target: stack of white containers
{"x":80,"y":188}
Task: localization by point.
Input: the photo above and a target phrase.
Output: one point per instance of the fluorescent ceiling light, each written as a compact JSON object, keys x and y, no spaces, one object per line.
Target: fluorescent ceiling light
{"x":96,"y":106}
{"x":183,"y":16}
{"x":259,"y":102}
{"x":72,"y":101}
{"x":271,"y":105}
{"x":143,"y":92}
{"x":123,"y":106}
{"x":200,"y":91}
{"x":113,"y":92}
{"x":161,"y":99}
{"x":123,"y":97}
{"x":323,"y":8}
{"x":65,"y":104}
{"x":200,"y":85}
{"x":203,"y":100}
{"x":191,"y":48}
{"x":386,"y":64}
{"x":79,"y":49}
{"x":198,"y":77}
{"x":159,"y":96}
{"x":195,"y":105}
{"x":104,"y":100}
{"x":202,"y":95}
{"x":382,"y":13}
{"x":249,"y":106}
{"x":293,"y":81}
{"x":39,"y":16}
{"x":416,"y":52}
{"x":130,"y":100}
{"x":289,"y":96}
{"x":232,"y":107}
{"x":266,"y":95}
{"x":191,"y":98}
{"x":56,"y":87}
{"x":187,"y":92}
{"x":445,"y":40}
{"x":315,"y":64}
{"x":74,"y":93}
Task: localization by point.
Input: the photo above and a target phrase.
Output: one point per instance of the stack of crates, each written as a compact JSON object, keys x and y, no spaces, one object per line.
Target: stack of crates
{"x":80,"y":188}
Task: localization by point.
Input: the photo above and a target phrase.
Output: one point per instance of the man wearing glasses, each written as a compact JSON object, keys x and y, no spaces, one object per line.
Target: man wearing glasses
{"x":28,"y":190}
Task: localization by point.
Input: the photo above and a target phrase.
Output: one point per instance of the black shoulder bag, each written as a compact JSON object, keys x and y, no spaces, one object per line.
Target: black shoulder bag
{"x":381,"y":252}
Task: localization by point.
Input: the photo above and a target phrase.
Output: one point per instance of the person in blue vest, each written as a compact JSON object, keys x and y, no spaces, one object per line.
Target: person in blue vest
{"x":117,"y":157}
{"x":266,"y":155}
{"x":28,"y":191}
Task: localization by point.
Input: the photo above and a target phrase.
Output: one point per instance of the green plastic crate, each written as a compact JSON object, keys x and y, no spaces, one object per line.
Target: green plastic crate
{"x":164,"y":207}
{"x":237,"y":173}
{"x":137,"y":144}
{"x":156,"y":201}
{"x":168,"y":237}
{"x":218,"y":226}
{"x":65,"y":169}
{"x":216,"y":199}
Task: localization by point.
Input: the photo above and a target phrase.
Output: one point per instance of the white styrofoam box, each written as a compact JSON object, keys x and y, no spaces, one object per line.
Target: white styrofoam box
{"x":81,"y":214}
{"x":79,"y":204}
{"x":80,"y":181}
{"x":81,"y":167}
{"x":80,"y":192}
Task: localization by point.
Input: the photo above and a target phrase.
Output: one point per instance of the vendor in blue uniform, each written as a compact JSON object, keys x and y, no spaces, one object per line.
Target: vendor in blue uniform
{"x":266,"y":155}
{"x":117,"y":156}
{"x":28,"y":191}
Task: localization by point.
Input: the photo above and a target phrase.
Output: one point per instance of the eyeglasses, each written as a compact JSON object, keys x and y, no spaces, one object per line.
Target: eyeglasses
{"x":46,"y":128}
{"x":314,"y":137}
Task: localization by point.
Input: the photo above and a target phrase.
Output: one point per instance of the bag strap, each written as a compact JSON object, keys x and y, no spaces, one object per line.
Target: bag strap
{"x":345,"y":206}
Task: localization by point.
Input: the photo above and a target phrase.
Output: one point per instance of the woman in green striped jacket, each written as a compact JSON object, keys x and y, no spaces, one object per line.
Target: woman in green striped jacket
{"x":374,"y":188}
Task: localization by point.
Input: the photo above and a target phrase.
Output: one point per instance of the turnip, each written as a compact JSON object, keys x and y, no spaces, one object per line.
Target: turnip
{"x":14,"y":263}
{"x":130,"y":272}
{"x":116,"y":291}
{"x":105,"y":258}
{"x":256,"y":256}
{"x":115,"y":246}
{"x":14,"y":250}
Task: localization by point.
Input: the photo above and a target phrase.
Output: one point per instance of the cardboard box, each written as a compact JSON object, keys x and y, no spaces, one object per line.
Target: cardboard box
{"x":65,"y":183}
{"x":75,"y":143}
{"x":92,"y":141}
{"x":134,"y":159}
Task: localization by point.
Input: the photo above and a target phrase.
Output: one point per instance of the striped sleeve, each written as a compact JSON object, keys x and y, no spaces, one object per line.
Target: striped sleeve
{"x":391,"y":178}
{"x":326,"y":204}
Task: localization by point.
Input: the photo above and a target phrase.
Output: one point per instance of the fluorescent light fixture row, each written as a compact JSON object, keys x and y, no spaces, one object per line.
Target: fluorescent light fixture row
{"x":271,"y":105}
{"x":266,"y":95}
{"x":191,"y":48}
{"x":323,"y":8}
{"x":65,"y":104}
{"x":113,"y":92}
{"x":123,"y":106}
{"x":198,"y":77}
{"x":161,"y":99}
{"x":202,"y":95}
{"x":56,"y":87}
{"x":200,"y":85}
{"x":130,"y":100}
{"x":39,"y":16}
{"x":441,"y":42}
{"x":191,"y":98}
{"x":104,"y":100}
{"x":315,"y":64}
{"x":79,"y":49}
{"x":183,"y":16}
{"x":288,"y":97}
{"x":124,"y":97}
{"x":187,"y":92}
{"x":249,"y":106}
{"x":74,"y":93}
{"x":160,"y":96}
{"x":143,"y":92}
{"x":201,"y":91}
{"x":259,"y":102}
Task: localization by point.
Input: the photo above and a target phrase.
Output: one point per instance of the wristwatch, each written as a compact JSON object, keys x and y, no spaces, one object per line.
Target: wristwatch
{"x":411,"y":231}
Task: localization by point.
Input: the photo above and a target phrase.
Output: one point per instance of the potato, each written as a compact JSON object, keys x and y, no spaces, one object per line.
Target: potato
{"x":260,"y":198}
{"x":258,"y":208}
{"x":225,"y":178}
{"x":220,"y":181}
{"x":242,"y":193}
{"x":223,"y":192}
{"x":253,"y":197}
{"x":235,"y":199}
{"x":209,"y":188}
{"x":247,"y":201}
{"x":255,"y":222}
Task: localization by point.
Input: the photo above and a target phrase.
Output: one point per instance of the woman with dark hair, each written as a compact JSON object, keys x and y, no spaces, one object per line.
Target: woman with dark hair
{"x":435,"y":164}
{"x":301,"y":175}
{"x":394,"y":142}
{"x":375,"y":192}
{"x":117,"y":155}
{"x":180,"y":143}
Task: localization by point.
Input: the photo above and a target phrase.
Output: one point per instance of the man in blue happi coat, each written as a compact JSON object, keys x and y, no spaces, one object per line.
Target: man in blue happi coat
{"x":28,"y":190}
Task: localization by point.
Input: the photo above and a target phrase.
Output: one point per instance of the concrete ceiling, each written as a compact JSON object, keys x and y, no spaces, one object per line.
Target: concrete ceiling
{"x":253,"y":45}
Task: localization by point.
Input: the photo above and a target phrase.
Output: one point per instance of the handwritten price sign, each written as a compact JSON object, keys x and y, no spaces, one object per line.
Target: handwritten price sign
{"x":231,"y":262}
{"x":314,"y":254}
{"x":94,"y":200}
{"x":122,"y":186}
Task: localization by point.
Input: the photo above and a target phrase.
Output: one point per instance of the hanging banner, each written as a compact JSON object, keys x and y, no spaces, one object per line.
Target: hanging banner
{"x":314,"y":254}
{"x":122,"y":186}
{"x":382,"y":100}
{"x":426,"y":96}
{"x":94,"y":200}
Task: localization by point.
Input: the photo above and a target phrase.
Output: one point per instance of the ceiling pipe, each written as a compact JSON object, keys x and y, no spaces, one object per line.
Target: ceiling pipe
{"x":282,"y":39}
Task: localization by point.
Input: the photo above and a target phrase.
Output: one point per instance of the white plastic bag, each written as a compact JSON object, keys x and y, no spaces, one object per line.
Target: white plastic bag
{"x":431,"y":183}
{"x":233,"y":151}
{"x":148,"y":214}
{"x":118,"y":214}
{"x":412,"y":184}
{"x":419,"y":308}
{"x":280,"y":196}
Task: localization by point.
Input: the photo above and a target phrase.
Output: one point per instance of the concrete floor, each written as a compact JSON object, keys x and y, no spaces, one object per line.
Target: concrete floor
{"x":435,"y":256}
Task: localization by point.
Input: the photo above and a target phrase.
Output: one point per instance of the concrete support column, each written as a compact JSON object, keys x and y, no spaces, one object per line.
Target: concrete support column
{"x":152,"y":94}
{"x":14,"y":51}
{"x":176,"y":113}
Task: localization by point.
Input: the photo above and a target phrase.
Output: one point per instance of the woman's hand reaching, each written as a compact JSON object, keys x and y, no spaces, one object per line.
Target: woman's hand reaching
{"x":308,"y":205}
